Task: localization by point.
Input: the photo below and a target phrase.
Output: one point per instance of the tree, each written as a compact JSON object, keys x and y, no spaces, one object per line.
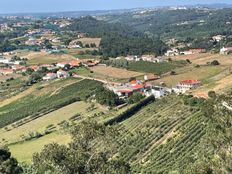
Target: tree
{"x":47,"y":44}
{"x":172,"y":73}
{"x":93,"y":45}
{"x":188,"y":61}
{"x":8,"y":164}
{"x":67,"y":67}
{"x":92,"y":151}
{"x":215,"y":63}
{"x":135,"y":98}
{"x":212,"y":94}
{"x":29,"y":71}
{"x":106,"y":97}
{"x":35,"y":76}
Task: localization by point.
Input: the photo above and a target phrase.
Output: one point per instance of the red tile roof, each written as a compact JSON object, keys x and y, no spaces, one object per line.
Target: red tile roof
{"x":190,"y":82}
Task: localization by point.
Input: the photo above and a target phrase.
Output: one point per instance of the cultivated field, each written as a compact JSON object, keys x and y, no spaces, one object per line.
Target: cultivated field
{"x":39,"y":89}
{"x":115,"y":72}
{"x":44,"y":58}
{"x":161,"y":135}
{"x":89,"y":41}
{"x":201,"y":73}
{"x":202,"y":59}
{"x":219,"y":86}
{"x":41,"y":123}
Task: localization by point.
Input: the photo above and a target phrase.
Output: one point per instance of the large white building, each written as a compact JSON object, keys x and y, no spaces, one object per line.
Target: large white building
{"x":226,"y":51}
{"x":186,"y":85}
{"x":157,"y":91}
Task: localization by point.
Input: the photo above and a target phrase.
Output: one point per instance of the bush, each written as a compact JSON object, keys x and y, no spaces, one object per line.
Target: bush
{"x":212,"y":94}
{"x":135,"y":98}
{"x":215,"y":63}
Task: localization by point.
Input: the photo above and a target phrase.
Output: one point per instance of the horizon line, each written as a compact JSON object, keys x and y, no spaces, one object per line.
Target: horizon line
{"x":116,"y":9}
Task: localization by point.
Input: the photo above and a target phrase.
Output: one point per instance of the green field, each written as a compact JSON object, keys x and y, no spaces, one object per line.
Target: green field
{"x":54,"y":118}
{"x":24,"y":151}
{"x":146,"y":67}
{"x":34,"y":106}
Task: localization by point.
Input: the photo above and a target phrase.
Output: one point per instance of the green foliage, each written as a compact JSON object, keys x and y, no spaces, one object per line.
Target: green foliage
{"x":33,"y":106}
{"x":116,"y":45}
{"x":193,"y":101}
{"x":130,"y":112}
{"x":143,"y":66}
{"x":8,"y":164}
{"x":91,"y":151}
{"x":35,"y":77}
{"x":118,"y":39}
{"x":215,"y":63}
{"x":135,"y":98}
{"x":106,"y":97}
{"x":212,"y":94}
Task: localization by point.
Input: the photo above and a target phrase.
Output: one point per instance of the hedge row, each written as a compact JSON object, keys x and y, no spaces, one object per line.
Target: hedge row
{"x":130,"y":112}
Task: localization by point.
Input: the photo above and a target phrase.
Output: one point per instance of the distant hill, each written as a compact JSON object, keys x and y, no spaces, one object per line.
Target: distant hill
{"x":112,"y":12}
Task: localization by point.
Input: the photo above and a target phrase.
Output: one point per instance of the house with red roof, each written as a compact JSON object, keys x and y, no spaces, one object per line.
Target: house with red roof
{"x":34,"y":67}
{"x":72,"y":63}
{"x":6,"y":71}
{"x":19,"y":68}
{"x":226,"y":50}
{"x":187,"y":85}
{"x":126,"y":90}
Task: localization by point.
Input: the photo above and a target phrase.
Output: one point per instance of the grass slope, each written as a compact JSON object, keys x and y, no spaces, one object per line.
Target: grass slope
{"x":33,"y":105}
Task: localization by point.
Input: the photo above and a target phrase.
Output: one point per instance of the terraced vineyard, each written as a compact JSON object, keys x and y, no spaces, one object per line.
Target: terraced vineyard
{"x":161,"y":136}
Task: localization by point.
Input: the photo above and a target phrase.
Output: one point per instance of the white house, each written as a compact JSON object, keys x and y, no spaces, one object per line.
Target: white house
{"x":172,"y":52}
{"x":157,"y":91}
{"x":218,"y":38}
{"x":4,"y":61}
{"x":187,"y":85}
{"x":62,"y":74}
{"x":226,"y":51}
{"x":50,"y":76}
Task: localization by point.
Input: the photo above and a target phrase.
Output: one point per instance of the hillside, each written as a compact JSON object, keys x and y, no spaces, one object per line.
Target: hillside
{"x":166,"y":132}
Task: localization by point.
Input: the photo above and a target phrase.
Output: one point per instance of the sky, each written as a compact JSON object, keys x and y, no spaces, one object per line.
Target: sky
{"x":21,"y":6}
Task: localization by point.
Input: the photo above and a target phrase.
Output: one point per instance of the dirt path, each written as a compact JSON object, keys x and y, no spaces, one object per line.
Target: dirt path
{"x":62,"y":87}
{"x":99,"y":80}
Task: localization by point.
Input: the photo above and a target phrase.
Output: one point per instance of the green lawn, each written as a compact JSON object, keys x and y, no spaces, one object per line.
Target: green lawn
{"x":24,"y":151}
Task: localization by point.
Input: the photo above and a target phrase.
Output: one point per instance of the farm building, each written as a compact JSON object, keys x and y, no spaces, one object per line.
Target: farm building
{"x":4,"y":61}
{"x":19,"y":68}
{"x":34,"y":67}
{"x":90,"y":63}
{"x":50,"y":76}
{"x":218,"y":38}
{"x":157,"y":91}
{"x":6,"y":71}
{"x":132,"y":58}
{"x":72,"y":63}
{"x":62,"y":74}
{"x":226,"y":51}
{"x":126,"y":90}
{"x":193,"y":51}
{"x":150,"y":77}
{"x":172,"y":52}
{"x":186,"y":85}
